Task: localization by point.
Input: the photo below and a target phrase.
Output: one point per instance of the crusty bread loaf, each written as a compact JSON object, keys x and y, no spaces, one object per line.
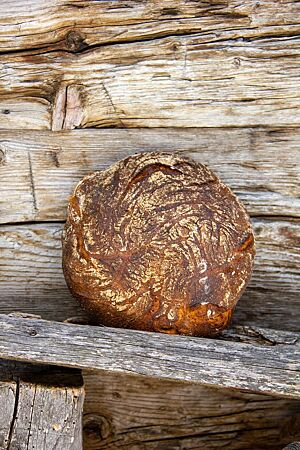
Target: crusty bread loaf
{"x":156,"y":242}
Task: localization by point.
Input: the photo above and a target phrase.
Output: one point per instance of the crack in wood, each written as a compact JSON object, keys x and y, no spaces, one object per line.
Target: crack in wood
{"x":15,"y":412}
{"x":30,"y":419}
{"x":271,"y":217}
{"x":236,"y":432}
{"x":32,"y":185}
{"x":112,"y":104}
{"x":46,"y":407}
{"x":64,"y":107}
{"x":179,"y":410}
{"x":263,"y":335}
{"x":35,"y":51}
{"x":258,"y":335}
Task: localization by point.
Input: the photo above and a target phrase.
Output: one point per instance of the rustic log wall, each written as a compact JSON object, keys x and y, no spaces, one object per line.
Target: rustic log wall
{"x":143,"y":413}
{"x":226,"y":75}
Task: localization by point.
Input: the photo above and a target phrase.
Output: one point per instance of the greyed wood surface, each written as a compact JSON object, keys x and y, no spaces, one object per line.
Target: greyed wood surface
{"x":40,"y":407}
{"x":267,"y":362}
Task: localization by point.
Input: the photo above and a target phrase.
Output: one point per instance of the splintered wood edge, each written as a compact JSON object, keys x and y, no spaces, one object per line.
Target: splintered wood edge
{"x":264,"y":361}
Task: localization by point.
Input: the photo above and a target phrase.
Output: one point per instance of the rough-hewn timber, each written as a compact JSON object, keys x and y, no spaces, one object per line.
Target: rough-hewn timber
{"x":268,"y":363}
{"x":192,"y":64}
{"x":78,"y":63}
{"x":126,"y":411}
{"x":39,"y":170}
{"x":76,"y":25}
{"x":40,"y":407}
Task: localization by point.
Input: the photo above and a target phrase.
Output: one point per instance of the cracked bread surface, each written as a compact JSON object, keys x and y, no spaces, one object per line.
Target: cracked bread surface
{"x":157,"y":242}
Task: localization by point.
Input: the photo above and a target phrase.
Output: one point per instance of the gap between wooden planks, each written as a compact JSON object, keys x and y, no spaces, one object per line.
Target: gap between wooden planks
{"x":253,"y":50}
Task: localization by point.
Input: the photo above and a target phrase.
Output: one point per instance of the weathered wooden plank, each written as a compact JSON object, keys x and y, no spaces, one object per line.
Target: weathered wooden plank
{"x":31,"y":278}
{"x":79,"y":24}
{"x":31,"y":272}
{"x":126,"y":411}
{"x":32,"y":113}
{"x":40,"y":407}
{"x":39,"y":170}
{"x":7,"y":397}
{"x":271,"y":368}
{"x":217,"y":78}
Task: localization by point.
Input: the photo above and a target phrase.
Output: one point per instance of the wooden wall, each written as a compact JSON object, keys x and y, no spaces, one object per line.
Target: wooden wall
{"x":85,"y":83}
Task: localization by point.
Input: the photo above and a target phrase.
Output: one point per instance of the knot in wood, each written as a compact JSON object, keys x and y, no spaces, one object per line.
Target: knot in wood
{"x":97,"y":427}
{"x":32,"y":332}
{"x":2,"y":156}
{"x":75,"y":41}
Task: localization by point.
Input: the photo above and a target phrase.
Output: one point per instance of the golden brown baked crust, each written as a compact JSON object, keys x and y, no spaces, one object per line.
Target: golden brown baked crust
{"x":156,"y":242}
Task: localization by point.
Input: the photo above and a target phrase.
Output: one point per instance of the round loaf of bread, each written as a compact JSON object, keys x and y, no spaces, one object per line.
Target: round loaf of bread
{"x":157,"y":242}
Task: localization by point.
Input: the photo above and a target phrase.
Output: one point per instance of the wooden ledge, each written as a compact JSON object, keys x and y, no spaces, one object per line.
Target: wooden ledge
{"x":265,"y":361}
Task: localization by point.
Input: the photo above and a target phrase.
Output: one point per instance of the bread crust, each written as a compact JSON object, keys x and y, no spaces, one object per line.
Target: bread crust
{"x":157,"y":242}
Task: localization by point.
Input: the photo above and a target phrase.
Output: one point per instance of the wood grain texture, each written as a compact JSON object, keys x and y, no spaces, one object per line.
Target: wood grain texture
{"x":31,"y":272}
{"x":7,"y":397}
{"x":40,"y":170}
{"x":271,"y":366}
{"x":132,"y":412}
{"x":31,"y":278}
{"x":77,"y":25}
{"x":41,"y":407}
{"x":101,"y":64}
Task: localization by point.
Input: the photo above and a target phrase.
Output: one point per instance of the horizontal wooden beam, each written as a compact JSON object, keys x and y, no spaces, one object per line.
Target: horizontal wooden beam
{"x":39,"y":170}
{"x":174,"y":415}
{"x":181,"y":64}
{"x":269,"y":363}
{"x":77,"y":25}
